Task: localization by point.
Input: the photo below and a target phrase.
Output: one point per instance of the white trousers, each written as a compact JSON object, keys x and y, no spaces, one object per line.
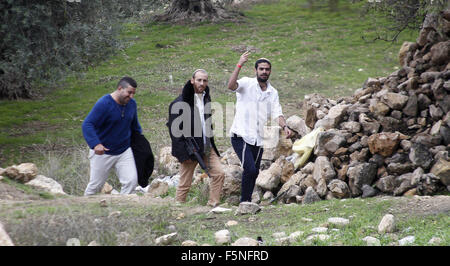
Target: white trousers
{"x":100,"y":166}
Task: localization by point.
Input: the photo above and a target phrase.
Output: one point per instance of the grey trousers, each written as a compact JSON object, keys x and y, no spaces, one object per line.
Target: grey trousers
{"x":100,"y":166}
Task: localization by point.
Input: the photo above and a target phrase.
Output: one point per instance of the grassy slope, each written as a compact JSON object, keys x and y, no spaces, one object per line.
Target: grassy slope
{"x":318,"y":51}
{"x":311,"y":52}
{"x":40,"y":224}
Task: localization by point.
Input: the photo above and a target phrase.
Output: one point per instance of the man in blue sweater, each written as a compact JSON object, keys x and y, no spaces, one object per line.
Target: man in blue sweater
{"x":107,"y":130}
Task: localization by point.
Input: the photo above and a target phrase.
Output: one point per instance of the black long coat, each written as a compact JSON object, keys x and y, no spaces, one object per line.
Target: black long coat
{"x":143,"y":157}
{"x":178,"y":142}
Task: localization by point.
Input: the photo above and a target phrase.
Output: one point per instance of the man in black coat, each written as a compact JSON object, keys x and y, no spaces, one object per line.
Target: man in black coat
{"x":190,"y":118}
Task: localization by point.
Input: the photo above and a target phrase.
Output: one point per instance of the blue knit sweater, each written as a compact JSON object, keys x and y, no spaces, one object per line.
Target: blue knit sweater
{"x":111,"y":124}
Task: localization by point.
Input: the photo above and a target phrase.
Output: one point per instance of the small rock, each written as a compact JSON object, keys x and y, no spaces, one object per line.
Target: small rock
{"x":279,"y":235}
{"x":189,"y":243}
{"x":406,"y":241}
{"x":231,"y":223}
{"x":106,"y":189}
{"x":93,"y":244}
{"x":371,"y":241}
{"x":310,"y":196}
{"x":368,"y":191}
{"x":247,"y":208}
{"x":246,"y":241}
{"x":222,"y":237}
{"x":73,"y":242}
{"x":387,"y":224}
{"x":435,"y":241}
{"x":220,"y":210}
{"x":103,"y":203}
{"x":321,"y":237}
{"x":166,"y":239}
{"x":283,"y":241}
{"x":339,"y":222}
{"x":114,"y":214}
{"x":319,"y":230}
{"x":295,"y":236}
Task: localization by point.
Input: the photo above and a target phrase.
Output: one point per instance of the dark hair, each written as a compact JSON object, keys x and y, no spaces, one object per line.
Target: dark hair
{"x":127,"y":81}
{"x":262,"y":60}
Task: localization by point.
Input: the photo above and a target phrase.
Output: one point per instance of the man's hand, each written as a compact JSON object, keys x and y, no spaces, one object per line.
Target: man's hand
{"x":232,"y":84}
{"x":288,"y":132}
{"x":100,"y":149}
{"x":243,"y":58}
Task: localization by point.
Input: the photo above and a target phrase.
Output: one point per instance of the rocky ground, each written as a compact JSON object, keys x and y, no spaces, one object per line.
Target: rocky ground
{"x":416,"y":205}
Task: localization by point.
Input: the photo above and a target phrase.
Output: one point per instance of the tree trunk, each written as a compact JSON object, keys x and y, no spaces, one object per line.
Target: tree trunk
{"x":194,"y":11}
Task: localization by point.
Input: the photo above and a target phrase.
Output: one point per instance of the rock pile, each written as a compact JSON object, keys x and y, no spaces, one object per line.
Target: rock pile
{"x":391,"y":137}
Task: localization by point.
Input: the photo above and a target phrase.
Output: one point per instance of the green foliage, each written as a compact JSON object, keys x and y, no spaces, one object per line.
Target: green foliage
{"x":43,"y":40}
{"x":401,"y":15}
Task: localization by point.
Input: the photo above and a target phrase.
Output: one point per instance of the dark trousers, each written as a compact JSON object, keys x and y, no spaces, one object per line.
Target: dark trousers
{"x":250,"y":156}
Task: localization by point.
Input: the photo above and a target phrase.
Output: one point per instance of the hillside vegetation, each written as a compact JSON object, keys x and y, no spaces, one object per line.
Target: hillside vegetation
{"x":312,"y":51}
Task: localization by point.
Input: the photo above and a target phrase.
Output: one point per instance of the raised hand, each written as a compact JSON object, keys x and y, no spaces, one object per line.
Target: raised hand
{"x":244,"y":58}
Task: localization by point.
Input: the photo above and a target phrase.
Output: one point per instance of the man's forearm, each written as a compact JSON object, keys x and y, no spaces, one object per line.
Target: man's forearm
{"x":232,"y":82}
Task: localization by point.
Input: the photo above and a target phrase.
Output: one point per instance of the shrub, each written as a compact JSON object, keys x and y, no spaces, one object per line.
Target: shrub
{"x":43,"y":40}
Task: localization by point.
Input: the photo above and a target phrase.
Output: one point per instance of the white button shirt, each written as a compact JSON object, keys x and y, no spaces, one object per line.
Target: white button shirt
{"x":201,"y":108}
{"x":253,"y":109}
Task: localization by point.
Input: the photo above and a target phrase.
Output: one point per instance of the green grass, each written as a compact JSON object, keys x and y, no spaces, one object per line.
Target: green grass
{"x":53,"y":224}
{"x":311,"y":51}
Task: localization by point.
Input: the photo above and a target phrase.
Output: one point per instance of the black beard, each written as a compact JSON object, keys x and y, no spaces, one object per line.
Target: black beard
{"x":262,"y":79}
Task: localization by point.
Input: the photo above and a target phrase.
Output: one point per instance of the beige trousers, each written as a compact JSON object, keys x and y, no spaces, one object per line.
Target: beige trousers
{"x":215,"y":171}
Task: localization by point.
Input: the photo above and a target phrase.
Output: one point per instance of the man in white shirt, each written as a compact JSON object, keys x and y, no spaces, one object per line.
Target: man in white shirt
{"x":189,"y":119}
{"x":256,"y":102}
